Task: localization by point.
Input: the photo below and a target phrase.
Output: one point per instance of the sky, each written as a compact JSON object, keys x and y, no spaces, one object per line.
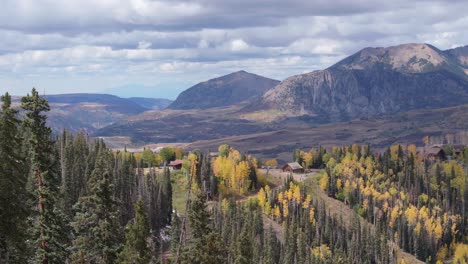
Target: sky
{"x":160,"y":48}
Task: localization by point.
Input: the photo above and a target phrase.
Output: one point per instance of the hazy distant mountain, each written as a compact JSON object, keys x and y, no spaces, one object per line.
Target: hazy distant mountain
{"x":152,"y":103}
{"x":461,"y":55}
{"x":376,"y":81}
{"x":223,"y":91}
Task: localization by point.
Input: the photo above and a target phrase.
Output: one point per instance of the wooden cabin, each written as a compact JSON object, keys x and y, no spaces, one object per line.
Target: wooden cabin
{"x":175,"y":164}
{"x":293,"y":167}
{"x":433,"y":153}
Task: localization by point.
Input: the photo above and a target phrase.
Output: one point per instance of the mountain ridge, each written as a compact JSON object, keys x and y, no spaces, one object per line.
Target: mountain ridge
{"x":223,"y":91}
{"x":374,"y":81}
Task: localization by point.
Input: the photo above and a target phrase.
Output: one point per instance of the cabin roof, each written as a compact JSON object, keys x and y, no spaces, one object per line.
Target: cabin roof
{"x":294,"y":165}
{"x":175,"y":162}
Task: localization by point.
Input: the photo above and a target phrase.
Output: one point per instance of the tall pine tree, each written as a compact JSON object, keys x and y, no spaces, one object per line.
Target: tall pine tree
{"x":96,"y":222}
{"x":136,"y":250}
{"x":13,"y":177}
{"x":49,"y":225}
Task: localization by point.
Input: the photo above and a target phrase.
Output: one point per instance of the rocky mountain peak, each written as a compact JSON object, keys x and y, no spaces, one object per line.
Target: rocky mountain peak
{"x":408,"y":58}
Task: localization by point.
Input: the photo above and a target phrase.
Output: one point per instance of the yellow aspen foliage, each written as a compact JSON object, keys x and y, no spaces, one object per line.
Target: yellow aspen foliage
{"x":312,"y":216}
{"x":338,"y":184}
{"x":411,"y":214}
{"x":461,"y":254}
{"x":280,"y":196}
{"x":297,"y":194}
{"x":425,"y":140}
{"x":365,"y":204}
{"x":438,"y":230}
{"x":324,"y":181}
{"x":393,"y":215}
{"x":271,"y":163}
{"x":454,"y":229}
{"x":193,"y":166}
{"x":322,"y":252}
{"x":412,"y":149}
{"x":385,"y":206}
{"x":417,"y":229}
{"x":235,"y":155}
{"x":261,"y":197}
{"x":277,"y":212}
{"x":289,"y":194}
{"x":402,"y":196}
{"x":285,"y":209}
{"x":442,"y":254}
{"x":424,"y":213}
{"x":331,"y":163}
{"x":242,"y":176}
{"x":394,"y":152}
{"x":428,"y":225}
{"x":308,"y":159}
{"x":307,"y":201}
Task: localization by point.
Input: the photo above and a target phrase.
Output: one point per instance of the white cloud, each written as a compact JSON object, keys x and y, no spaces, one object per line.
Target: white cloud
{"x":144,"y":45}
{"x":95,"y":45}
{"x":238,"y":45}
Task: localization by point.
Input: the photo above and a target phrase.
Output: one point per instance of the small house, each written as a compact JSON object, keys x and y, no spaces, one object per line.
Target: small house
{"x":458,"y":149}
{"x":175,"y":164}
{"x":433,"y":153}
{"x":293,"y":167}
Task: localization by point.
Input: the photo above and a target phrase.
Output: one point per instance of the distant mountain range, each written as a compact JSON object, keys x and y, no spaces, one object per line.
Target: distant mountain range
{"x":91,"y":112}
{"x":377,"y":95}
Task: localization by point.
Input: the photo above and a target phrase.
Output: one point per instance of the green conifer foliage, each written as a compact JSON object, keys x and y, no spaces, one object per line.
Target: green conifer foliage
{"x":49,"y":225}
{"x":136,"y":250}
{"x":13,"y":177}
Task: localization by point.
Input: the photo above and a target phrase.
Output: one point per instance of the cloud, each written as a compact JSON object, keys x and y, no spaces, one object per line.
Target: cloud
{"x":88,"y":45}
{"x":238,"y":45}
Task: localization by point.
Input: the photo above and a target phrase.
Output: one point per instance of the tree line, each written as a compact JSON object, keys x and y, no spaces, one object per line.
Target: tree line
{"x":69,"y":199}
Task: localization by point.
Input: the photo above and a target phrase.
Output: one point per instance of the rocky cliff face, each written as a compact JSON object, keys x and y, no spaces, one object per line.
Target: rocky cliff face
{"x":223,"y":91}
{"x":375,"y":81}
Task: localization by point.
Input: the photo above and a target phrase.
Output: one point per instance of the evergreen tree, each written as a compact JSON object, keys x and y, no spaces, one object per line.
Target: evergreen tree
{"x":244,"y":254}
{"x":204,"y":246}
{"x":136,"y":250}
{"x":96,"y":222}
{"x":49,"y":226}
{"x":13,"y":177}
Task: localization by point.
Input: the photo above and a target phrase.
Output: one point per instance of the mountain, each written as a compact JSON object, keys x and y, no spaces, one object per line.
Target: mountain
{"x":151,"y":103}
{"x":90,"y":112}
{"x":378,"y":96}
{"x":223,"y":91}
{"x":375,"y":81}
{"x":460,"y":54}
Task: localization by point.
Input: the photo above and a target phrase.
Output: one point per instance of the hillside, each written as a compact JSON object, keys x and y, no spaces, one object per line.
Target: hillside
{"x":151,"y":103}
{"x":374,"y":81}
{"x":223,"y":91}
{"x":90,"y":112}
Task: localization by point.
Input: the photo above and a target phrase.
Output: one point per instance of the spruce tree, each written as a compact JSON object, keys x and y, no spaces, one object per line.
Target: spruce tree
{"x":49,"y":227}
{"x":96,"y":222}
{"x":244,"y":245}
{"x":205,"y":245}
{"x":13,"y":177}
{"x":136,"y":250}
